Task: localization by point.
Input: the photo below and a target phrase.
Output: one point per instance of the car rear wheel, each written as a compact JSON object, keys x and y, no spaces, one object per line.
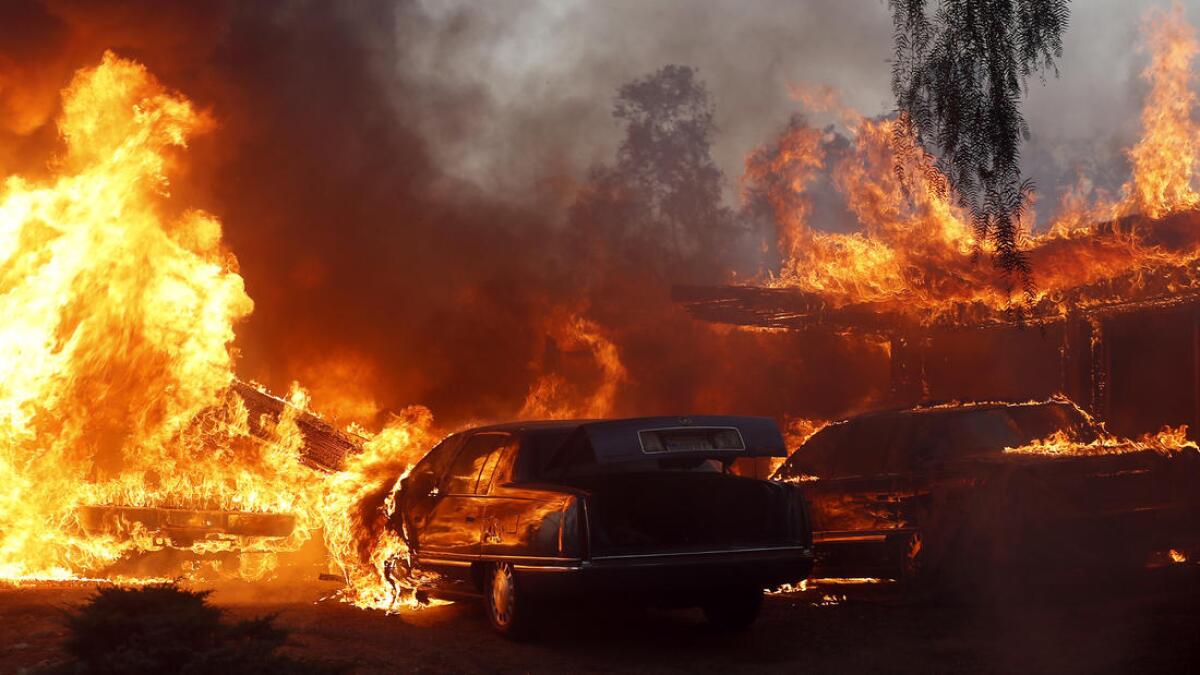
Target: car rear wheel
{"x":509,"y":610}
{"x":733,"y":609}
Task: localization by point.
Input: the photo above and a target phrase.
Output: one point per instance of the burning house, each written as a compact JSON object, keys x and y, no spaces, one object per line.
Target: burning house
{"x":1103,"y":307}
{"x":1126,"y":347}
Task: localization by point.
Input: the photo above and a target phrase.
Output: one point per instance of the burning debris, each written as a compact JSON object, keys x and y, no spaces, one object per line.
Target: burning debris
{"x":124,"y":429}
{"x":119,"y":318}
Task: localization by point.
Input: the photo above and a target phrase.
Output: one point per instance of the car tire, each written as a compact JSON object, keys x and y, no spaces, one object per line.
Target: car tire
{"x":733,"y":609}
{"x":509,"y":610}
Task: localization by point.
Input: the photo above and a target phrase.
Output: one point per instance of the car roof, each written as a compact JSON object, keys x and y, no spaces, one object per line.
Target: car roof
{"x":538,"y":425}
{"x":957,"y":407}
{"x":894,"y":439}
{"x":619,"y":439}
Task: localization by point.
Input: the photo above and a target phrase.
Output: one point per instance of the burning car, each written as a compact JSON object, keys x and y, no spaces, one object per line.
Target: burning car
{"x":897,"y":493}
{"x":645,"y":509}
{"x":200,"y":528}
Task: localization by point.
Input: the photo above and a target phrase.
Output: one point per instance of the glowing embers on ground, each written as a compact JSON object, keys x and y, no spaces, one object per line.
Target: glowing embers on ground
{"x":915,"y":254}
{"x":815,"y":589}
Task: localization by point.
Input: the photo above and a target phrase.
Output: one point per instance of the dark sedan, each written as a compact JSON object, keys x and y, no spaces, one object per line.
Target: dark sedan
{"x":644,"y":510}
{"x":957,"y":488}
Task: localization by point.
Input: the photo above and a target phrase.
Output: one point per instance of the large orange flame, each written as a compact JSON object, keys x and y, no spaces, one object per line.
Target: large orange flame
{"x":116,"y":337}
{"x":914,"y":252}
{"x":117,"y":316}
{"x":1165,"y":159}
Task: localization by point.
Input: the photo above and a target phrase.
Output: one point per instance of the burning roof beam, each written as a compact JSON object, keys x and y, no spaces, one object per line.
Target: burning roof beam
{"x":1166,"y":281}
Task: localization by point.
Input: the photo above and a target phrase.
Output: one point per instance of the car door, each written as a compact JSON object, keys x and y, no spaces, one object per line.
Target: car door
{"x":505,"y":506}
{"x":420,"y":491}
{"x":856,"y":493}
{"x":452,"y":530}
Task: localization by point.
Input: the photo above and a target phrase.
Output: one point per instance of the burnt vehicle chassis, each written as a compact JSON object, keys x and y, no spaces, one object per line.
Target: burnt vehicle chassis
{"x":172,"y":532}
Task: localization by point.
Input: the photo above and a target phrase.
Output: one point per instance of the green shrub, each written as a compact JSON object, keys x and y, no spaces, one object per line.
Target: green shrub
{"x":167,"y":629}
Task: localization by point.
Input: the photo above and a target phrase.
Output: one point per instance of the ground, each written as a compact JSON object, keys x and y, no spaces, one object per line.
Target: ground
{"x":1149,"y":624}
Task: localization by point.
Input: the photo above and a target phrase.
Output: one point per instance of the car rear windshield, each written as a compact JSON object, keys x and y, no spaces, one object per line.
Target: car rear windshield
{"x":573,"y":455}
{"x":538,"y":447}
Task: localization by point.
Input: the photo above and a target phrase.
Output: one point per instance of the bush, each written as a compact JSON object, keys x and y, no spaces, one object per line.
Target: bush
{"x":167,"y":629}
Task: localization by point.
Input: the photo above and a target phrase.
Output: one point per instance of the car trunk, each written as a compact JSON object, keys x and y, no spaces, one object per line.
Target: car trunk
{"x":675,"y":511}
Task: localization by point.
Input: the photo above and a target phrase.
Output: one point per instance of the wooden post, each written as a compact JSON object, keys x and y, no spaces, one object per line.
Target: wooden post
{"x":1100,"y":367}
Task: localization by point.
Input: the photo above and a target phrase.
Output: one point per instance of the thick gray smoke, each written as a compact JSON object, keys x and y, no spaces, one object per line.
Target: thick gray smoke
{"x":396,"y":177}
{"x":541,"y":72}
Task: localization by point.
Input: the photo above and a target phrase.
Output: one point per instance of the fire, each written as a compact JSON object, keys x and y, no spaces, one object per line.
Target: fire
{"x":118,"y":315}
{"x":915,"y":252}
{"x":552,"y":397}
{"x":914,"y":243}
{"x":358,"y":503}
{"x":1164,"y":160}
{"x":1063,"y":444}
{"x":119,"y":307}
{"x":796,"y":432}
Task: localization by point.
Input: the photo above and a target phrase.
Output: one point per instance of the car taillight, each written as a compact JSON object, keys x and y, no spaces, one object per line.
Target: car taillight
{"x":572,"y":532}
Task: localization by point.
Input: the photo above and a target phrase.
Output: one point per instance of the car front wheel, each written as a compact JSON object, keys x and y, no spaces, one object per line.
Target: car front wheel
{"x":733,"y":609}
{"x":509,"y":611}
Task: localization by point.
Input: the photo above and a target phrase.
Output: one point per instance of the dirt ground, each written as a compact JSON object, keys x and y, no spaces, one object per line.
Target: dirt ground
{"x":1149,"y":624}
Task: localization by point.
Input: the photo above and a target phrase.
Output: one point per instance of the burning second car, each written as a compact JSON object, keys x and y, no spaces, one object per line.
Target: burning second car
{"x":951,"y":487}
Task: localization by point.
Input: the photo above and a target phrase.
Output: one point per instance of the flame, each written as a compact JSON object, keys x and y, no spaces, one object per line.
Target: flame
{"x":358,"y":503}
{"x":116,"y":337}
{"x":1063,"y":443}
{"x":1164,"y":160}
{"x":913,"y":241}
{"x":914,"y":252}
{"x":796,"y":432}
{"x":552,"y":396}
{"x":118,"y":314}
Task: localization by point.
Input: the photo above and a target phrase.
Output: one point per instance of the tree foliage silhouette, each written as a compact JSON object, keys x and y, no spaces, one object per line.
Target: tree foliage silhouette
{"x":958,"y":76}
{"x":660,"y":201}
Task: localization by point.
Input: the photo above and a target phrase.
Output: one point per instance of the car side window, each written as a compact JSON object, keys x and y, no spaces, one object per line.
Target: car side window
{"x":434,"y":462}
{"x":499,"y":467}
{"x":467,"y":467}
